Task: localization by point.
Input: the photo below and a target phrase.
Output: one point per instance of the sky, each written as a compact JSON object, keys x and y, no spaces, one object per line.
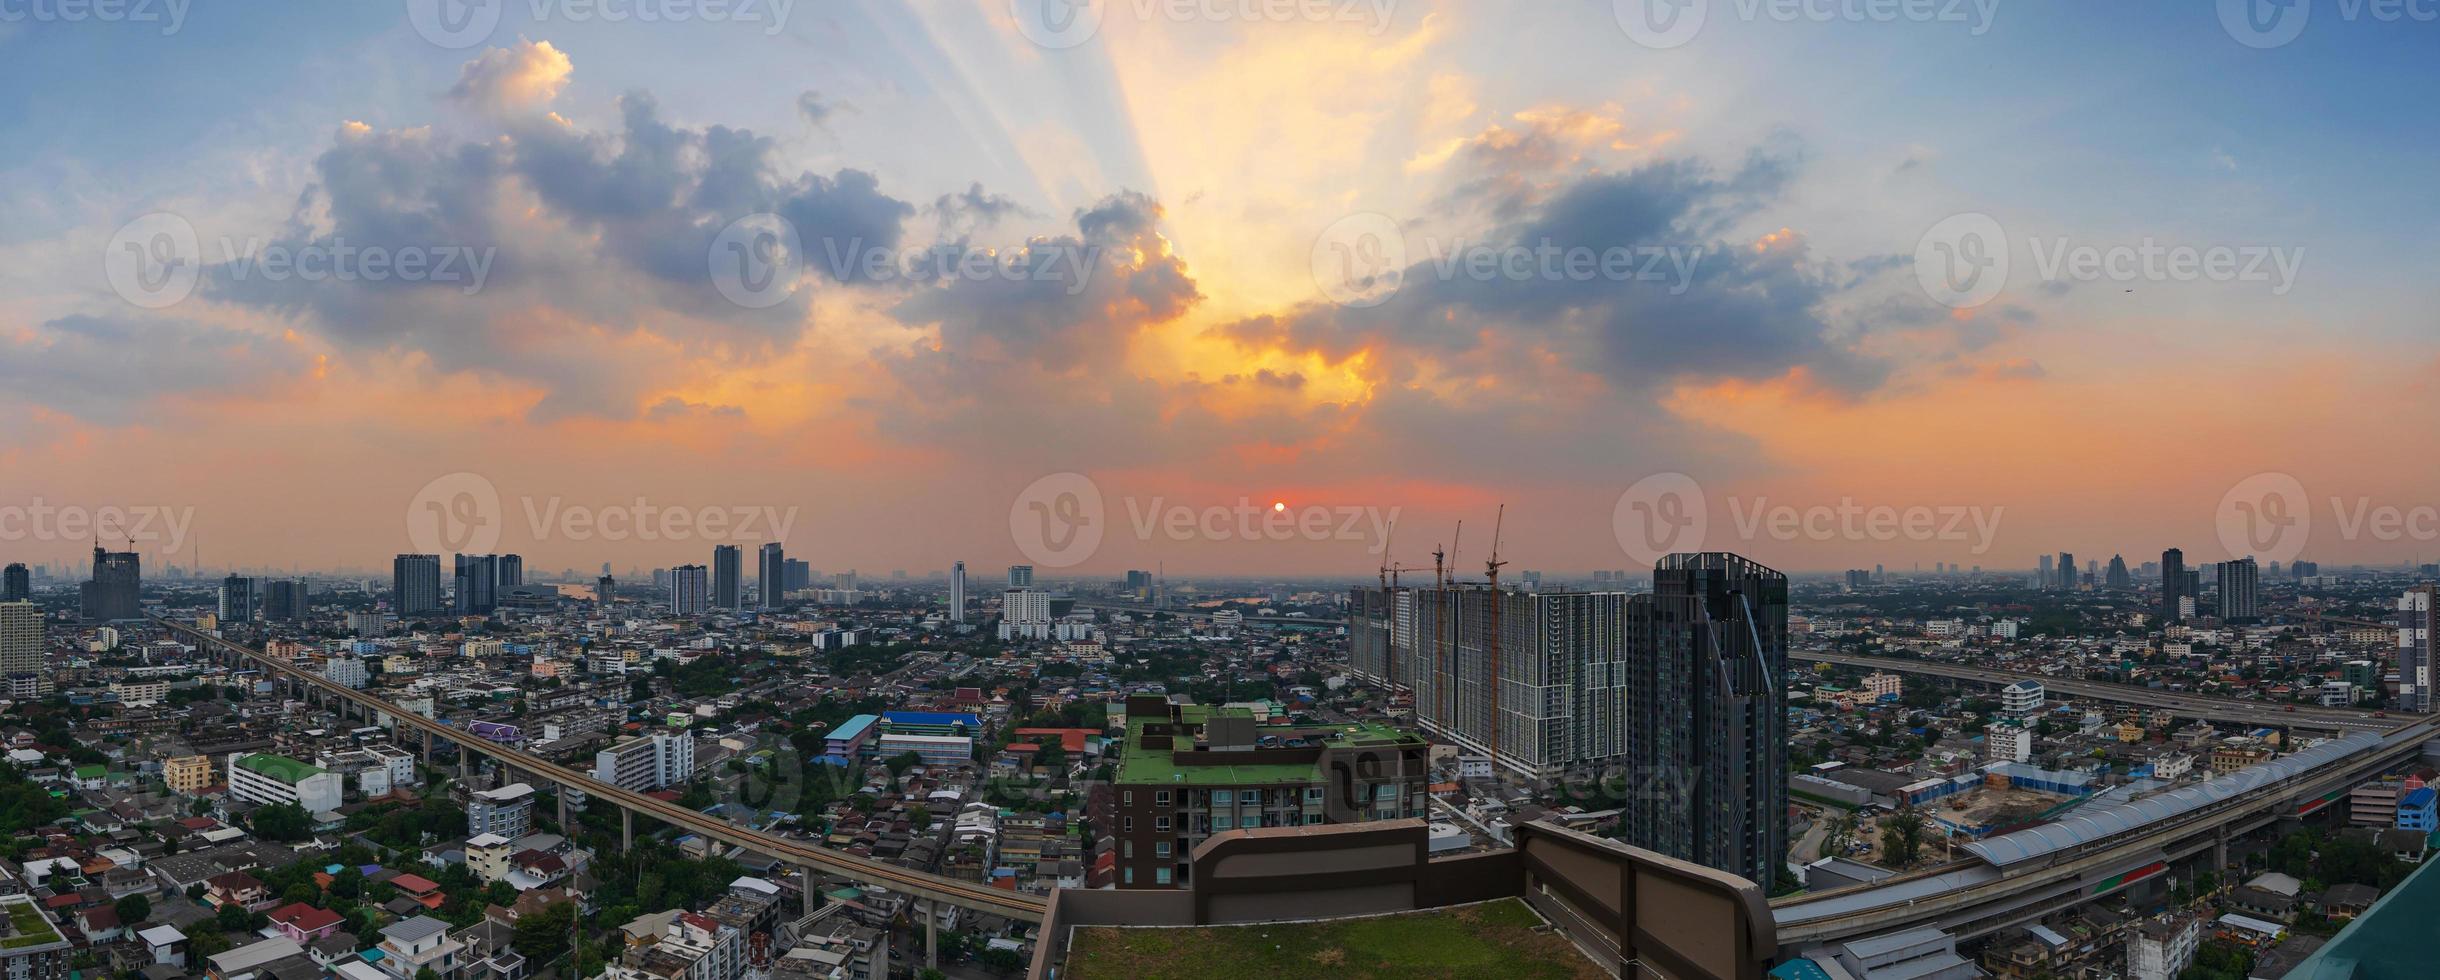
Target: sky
{"x":1217,"y":287}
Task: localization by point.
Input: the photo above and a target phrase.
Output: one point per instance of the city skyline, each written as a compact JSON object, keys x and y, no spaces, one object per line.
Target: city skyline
{"x":1199,"y":351}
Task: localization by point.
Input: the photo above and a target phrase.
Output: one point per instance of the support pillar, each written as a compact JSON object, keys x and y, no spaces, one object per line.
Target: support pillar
{"x":2219,"y":850}
{"x":931,"y":935}
{"x":626,"y":830}
{"x":562,"y":796}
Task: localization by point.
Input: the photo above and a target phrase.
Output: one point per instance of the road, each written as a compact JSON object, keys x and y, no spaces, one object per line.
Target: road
{"x":2201,"y":706}
{"x":929,"y":887}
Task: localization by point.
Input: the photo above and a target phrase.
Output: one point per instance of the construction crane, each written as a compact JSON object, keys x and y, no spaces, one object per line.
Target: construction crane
{"x":1491,"y":570}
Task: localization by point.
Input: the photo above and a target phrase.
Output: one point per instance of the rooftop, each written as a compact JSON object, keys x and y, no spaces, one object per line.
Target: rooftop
{"x":1142,"y":766}
{"x":1497,"y":938}
{"x":278,"y":767}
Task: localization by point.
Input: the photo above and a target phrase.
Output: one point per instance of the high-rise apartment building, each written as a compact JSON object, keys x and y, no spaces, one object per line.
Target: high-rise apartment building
{"x":771,"y":575}
{"x":2067,"y":571}
{"x":510,"y":572}
{"x":2418,"y":624}
{"x":115,"y":591}
{"x":415,"y":585}
{"x":1025,"y":614}
{"x":16,"y":584}
{"x":728,"y":565}
{"x":2172,"y":584}
{"x":477,"y":581}
{"x":2240,"y":591}
{"x":646,"y":762}
{"x":236,"y":599}
{"x":957,"y":592}
{"x":284,"y":600}
{"x":1020,"y":576}
{"x":2117,"y":577}
{"x":21,"y":648}
{"x":689,"y":590}
{"x":1685,"y":680}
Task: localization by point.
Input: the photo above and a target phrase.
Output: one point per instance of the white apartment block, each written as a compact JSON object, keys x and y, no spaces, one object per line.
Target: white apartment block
{"x":271,"y":780}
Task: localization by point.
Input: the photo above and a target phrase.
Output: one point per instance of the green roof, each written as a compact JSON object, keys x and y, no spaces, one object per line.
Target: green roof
{"x":94,"y":771}
{"x":279,"y":767}
{"x":1157,"y":767}
{"x":2387,"y":942}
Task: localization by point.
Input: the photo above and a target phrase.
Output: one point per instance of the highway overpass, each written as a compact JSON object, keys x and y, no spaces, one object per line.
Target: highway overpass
{"x":929,"y":887}
{"x":2186,"y":705}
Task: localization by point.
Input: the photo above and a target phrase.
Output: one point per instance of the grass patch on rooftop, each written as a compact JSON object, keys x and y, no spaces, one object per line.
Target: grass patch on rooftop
{"x":1494,"y":939}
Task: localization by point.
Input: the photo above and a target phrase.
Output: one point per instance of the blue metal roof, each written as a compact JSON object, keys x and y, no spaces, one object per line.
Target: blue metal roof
{"x":931,"y":718}
{"x":2096,"y":824}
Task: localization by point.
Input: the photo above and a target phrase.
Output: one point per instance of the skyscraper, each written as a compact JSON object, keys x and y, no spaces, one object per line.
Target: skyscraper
{"x":2118,"y":579}
{"x":688,"y":590}
{"x":2045,"y":579}
{"x":2067,"y":571}
{"x":1706,"y":699}
{"x":957,"y":592}
{"x":771,"y":575}
{"x":415,"y":585}
{"x":236,"y":599}
{"x":2240,"y":591}
{"x":510,"y":570}
{"x":798,"y":574}
{"x":2172,"y":583}
{"x":21,"y":648}
{"x":728,"y":566}
{"x":114,"y":592}
{"x":2418,"y":625}
{"x":284,"y":600}
{"x":15,"y":584}
{"x":1020,"y":576}
{"x":478,"y":584}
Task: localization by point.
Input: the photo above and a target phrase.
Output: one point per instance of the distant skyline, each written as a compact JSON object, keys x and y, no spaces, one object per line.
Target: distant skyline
{"x":1189,"y":198}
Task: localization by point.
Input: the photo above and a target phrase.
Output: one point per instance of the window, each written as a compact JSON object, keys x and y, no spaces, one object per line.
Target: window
{"x":1160,"y":876}
{"x":1130,"y":876}
{"x":1385,"y":791}
{"x":1222,"y":797}
{"x":1126,"y":849}
{"x":1160,"y":798}
{"x":1126,"y":825}
{"x":1253,"y":797}
{"x":1313,"y":794}
{"x":1160,"y":823}
{"x":1160,"y":849}
{"x":1127,"y":798}
{"x":1224,"y":823}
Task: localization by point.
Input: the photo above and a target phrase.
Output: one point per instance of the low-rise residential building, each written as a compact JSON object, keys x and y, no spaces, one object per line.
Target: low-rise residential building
{"x":271,"y":780}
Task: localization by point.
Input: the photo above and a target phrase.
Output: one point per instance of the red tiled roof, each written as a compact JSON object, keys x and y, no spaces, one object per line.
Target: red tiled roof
{"x":305,"y":918}
{"x":415,"y":883}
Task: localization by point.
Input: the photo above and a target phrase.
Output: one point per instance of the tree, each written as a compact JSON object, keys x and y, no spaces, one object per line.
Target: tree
{"x":282,"y":822}
{"x":900,"y":763}
{"x":1902,"y":836}
{"x":132,"y":909}
{"x":233,"y":918}
{"x":543,"y":936}
{"x":1001,"y":962}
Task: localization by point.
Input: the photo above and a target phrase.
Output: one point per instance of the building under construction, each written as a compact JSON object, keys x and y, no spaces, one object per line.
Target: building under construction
{"x":1680,"y":691}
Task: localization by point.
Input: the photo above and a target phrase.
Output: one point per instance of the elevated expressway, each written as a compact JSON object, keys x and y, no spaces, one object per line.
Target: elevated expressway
{"x":2201,"y":706}
{"x":2015,"y":878}
{"x":929,"y":887}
